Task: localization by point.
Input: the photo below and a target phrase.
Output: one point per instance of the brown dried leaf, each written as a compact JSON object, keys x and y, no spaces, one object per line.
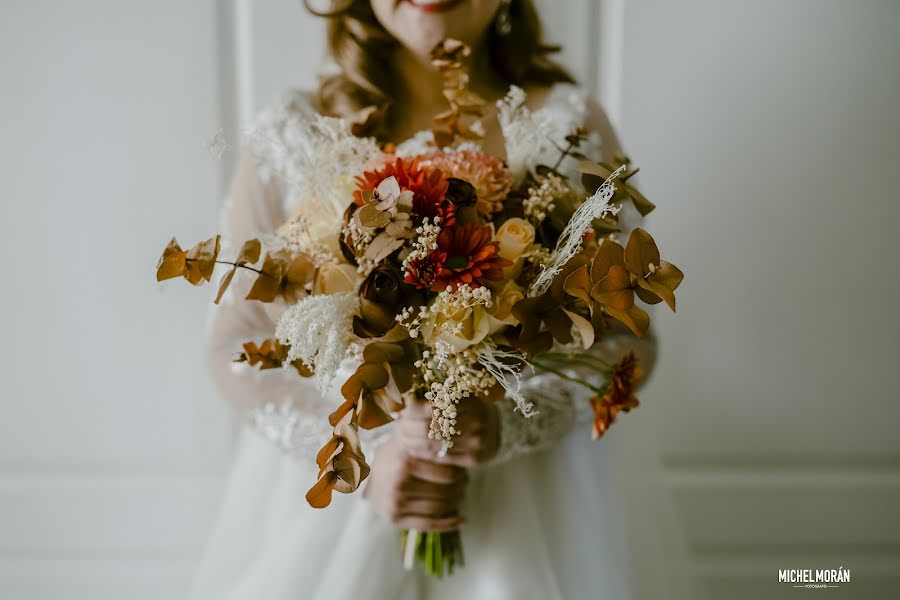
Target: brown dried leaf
{"x":663,"y":282}
{"x":614,"y":290}
{"x":382,"y":246}
{"x":653,"y":274}
{"x":192,"y":273}
{"x":634,"y":318}
{"x":249,"y":252}
{"x":449,"y":52}
{"x":370,"y":216}
{"x":593,"y":175}
{"x":641,"y":252}
{"x":172,"y":262}
{"x":342,"y":465}
{"x":268,"y":283}
{"x":299,"y":273}
{"x":609,"y":254}
{"x":319,"y":495}
{"x":647,"y":296}
{"x":226,"y":281}
{"x":204,"y":255}
{"x":578,"y":284}
{"x":585,"y":328}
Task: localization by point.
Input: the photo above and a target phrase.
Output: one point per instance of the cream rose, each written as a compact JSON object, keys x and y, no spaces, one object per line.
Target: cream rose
{"x":515,"y":236}
{"x":459,"y":331}
{"x":336,"y":278}
{"x":500,"y":312}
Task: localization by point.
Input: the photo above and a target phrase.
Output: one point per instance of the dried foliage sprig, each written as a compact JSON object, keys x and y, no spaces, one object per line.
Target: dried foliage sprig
{"x":461,"y":120}
{"x":270,"y":354}
{"x":617,"y":275}
{"x":371,"y":394}
{"x":595,"y":173}
{"x":573,"y":141}
{"x":283,"y":274}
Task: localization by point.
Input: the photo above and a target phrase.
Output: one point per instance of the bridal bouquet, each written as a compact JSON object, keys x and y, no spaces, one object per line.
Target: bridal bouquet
{"x":451,"y":274}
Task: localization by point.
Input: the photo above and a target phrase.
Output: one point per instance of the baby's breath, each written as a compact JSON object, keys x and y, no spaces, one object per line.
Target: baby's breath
{"x":449,"y":377}
{"x":426,"y":241}
{"x":298,"y":239}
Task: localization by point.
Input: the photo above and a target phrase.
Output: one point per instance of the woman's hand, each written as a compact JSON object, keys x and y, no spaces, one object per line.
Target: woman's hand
{"x":477,"y":420}
{"x":413,"y":493}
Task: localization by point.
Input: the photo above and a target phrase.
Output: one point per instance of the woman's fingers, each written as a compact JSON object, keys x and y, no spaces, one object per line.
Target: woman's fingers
{"x":429,"y":507}
{"x":436,"y":473}
{"x":426,"y":523}
{"x":416,"y":489}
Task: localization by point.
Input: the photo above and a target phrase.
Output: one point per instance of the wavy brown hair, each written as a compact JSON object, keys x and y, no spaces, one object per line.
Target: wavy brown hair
{"x":362,"y":50}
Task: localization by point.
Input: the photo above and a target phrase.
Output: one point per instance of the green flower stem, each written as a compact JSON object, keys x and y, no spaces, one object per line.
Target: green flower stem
{"x":567,"y":377}
{"x":437,"y":551}
{"x":571,"y":361}
{"x":583,"y":357}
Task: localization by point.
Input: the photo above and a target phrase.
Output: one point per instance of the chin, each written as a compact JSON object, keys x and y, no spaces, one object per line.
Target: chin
{"x":421,"y":24}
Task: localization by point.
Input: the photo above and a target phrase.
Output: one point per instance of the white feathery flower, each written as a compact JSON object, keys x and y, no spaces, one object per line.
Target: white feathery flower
{"x":316,"y":156}
{"x":506,"y":368}
{"x":318,"y":330}
{"x":569,"y":242}
{"x":527,"y":134}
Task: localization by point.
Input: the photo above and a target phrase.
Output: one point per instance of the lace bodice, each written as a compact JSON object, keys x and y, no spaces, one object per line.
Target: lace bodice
{"x":279,"y":177}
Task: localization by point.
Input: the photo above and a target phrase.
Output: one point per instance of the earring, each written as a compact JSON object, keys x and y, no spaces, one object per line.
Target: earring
{"x":504,"y":21}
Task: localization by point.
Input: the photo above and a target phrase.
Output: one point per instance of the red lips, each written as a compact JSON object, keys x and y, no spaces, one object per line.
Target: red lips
{"x":435,"y":6}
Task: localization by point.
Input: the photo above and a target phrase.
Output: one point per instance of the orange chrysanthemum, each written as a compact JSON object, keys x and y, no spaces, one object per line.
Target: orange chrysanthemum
{"x":619,"y":396}
{"x":428,"y":185}
{"x":492,"y":180}
{"x":471,"y":257}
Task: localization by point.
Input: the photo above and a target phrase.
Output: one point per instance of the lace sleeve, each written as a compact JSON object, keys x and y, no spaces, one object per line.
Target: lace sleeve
{"x":555,"y":416}
{"x":561,"y":405}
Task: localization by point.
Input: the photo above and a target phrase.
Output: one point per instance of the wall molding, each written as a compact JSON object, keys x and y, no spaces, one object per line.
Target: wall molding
{"x":607,"y":48}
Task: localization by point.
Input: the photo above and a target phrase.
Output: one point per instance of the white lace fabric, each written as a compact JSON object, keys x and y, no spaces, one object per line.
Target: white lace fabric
{"x":282,"y":175}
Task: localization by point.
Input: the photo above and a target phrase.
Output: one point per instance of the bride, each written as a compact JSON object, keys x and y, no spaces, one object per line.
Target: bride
{"x":541,"y":507}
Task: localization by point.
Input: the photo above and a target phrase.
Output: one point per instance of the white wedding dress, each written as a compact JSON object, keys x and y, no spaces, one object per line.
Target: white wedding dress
{"x":551,"y":518}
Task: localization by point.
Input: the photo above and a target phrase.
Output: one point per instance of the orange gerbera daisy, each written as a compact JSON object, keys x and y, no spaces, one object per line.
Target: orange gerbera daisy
{"x":471,"y":257}
{"x":429,"y":187}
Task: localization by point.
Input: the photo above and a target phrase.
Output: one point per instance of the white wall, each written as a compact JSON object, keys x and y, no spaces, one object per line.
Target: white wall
{"x":768,"y":133}
{"x":111,"y":442}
